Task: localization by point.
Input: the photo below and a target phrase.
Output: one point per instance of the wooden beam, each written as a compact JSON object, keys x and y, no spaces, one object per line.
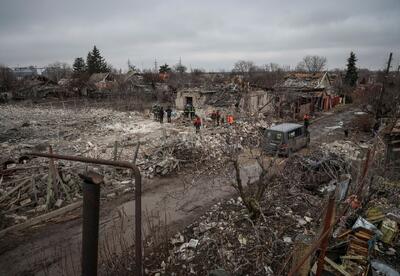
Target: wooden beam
{"x":41,"y":218}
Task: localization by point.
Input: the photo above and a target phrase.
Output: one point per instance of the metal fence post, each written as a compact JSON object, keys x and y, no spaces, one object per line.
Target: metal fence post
{"x":90,"y":231}
{"x":138,"y":229}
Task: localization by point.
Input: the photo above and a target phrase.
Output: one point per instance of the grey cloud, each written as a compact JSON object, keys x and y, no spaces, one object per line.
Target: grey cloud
{"x":207,"y":34}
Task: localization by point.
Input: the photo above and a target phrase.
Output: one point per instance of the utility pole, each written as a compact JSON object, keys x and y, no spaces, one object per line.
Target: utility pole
{"x":379,"y":111}
{"x":155,"y":66}
{"x":389,"y":62}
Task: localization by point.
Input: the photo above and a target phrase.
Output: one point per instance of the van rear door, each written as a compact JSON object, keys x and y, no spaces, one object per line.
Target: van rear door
{"x":273,"y":139}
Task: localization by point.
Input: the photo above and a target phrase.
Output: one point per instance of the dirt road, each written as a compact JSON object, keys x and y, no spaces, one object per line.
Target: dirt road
{"x":54,"y":248}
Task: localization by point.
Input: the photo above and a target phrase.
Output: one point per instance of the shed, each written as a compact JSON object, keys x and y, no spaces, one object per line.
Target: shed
{"x":194,"y":96}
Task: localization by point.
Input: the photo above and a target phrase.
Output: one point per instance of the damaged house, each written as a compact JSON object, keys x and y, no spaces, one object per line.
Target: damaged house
{"x":39,"y":87}
{"x":102,"y":81}
{"x":193,"y":96}
{"x":220,"y":97}
{"x":302,"y":93}
{"x":258,"y":100}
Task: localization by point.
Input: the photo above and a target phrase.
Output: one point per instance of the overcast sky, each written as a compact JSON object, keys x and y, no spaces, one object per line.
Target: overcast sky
{"x":205,"y":34}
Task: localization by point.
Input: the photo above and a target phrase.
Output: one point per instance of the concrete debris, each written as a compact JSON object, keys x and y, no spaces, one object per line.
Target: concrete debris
{"x":383,"y":269}
{"x":242,"y":240}
{"x":346,"y":149}
{"x":287,"y":239}
{"x":59,"y":203}
{"x":178,"y":239}
{"x":163,"y":151}
{"x":227,"y":235}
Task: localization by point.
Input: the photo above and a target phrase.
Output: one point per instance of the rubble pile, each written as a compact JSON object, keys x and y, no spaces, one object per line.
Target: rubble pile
{"x":318,"y":171}
{"x":104,"y":134}
{"x":36,"y":186}
{"x":226,"y":241}
{"x":40,"y":87}
{"x":27,"y":191}
{"x":226,"y":97}
{"x":189,"y":150}
{"x":364,"y":240}
{"x":346,"y":149}
{"x":226,"y":237}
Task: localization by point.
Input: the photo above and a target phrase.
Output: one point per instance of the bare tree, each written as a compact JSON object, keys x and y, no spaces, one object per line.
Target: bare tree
{"x":378,"y":99}
{"x":7,"y":78}
{"x":312,"y":64}
{"x":301,"y":67}
{"x":243,"y":67}
{"x":273,"y":67}
{"x":57,"y":70}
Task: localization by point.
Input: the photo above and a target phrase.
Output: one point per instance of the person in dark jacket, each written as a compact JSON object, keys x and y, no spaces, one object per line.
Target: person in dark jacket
{"x":187,"y":111}
{"x":161,"y":114}
{"x":155,"y":110}
{"x":192,"y":112}
{"x":306,"y":119}
{"x":218,"y":117}
{"x":169,"y":114}
{"x":214,"y":117}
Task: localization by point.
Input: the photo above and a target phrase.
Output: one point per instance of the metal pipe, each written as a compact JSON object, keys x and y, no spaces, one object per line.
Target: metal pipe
{"x":90,"y":227}
{"x":138,"y":195}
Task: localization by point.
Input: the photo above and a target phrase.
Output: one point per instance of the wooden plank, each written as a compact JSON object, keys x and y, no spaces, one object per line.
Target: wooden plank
{"x":41,"y":218}
{"x":336,"y":266}
{"x":14,"y":189}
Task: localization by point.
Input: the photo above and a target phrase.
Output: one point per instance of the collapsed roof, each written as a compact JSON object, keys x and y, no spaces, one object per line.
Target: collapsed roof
{"x":305,"y":81}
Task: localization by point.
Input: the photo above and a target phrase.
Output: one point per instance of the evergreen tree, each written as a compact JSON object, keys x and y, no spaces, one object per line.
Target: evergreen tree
{"x":180,"y":68}
{"x":351,"y":73}
{"x":95,"y":62}
{"x":79,"y":65}
{"x":164,"y":68}
{"x":91,"y":67}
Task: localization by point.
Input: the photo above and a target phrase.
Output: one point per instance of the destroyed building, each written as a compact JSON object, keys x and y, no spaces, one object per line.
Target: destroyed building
{"x":102,"y":81}
{"x":192,"y":96}
{"x":307,"y":93}
{"x":258,"y":100}
{"x":132,"y":81}
{"x":38,"y":87}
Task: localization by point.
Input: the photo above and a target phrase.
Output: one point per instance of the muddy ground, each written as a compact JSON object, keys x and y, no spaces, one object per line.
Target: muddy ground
{"x":53,"y":248}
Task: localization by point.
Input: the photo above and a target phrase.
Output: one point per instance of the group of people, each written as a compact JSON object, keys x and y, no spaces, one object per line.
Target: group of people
{"x":158,"y":112}
{"x":216,"y":118}
{"x":190,"y":112}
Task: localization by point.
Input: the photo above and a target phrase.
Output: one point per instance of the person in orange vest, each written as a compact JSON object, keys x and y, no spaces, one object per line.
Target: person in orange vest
{"x":197,"y":124}
{"x":229,"y":119}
